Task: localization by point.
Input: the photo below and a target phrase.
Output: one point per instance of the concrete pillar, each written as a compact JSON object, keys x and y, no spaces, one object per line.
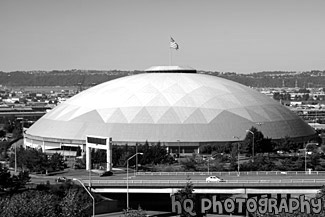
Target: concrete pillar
{"x":109,"y":155}
{"x":83,"y":147}
{"x":88,"y":158}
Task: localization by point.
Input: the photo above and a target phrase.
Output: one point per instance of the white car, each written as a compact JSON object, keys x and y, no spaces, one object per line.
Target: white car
{"x":213,"y":179}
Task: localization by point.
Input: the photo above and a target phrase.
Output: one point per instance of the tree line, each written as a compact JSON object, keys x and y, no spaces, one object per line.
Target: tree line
{"x":152,"y":155}
{"x":45,"y":200}
{"x":35,"y":160}
{"x":89,"y":78}
{"x":269,"y":155}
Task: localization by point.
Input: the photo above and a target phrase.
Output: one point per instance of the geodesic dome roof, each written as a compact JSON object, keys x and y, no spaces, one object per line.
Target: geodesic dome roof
{"x":167,"y":107}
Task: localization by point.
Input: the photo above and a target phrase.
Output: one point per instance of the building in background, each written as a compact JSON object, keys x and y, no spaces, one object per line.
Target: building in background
{"x":172,"y":105}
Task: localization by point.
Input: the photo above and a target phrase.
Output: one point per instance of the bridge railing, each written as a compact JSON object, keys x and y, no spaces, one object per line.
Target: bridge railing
{"x":273,"y":181}
{"x":233,"y":173}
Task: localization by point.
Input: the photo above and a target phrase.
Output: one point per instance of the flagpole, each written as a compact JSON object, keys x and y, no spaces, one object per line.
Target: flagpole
{"x":170,"y":52}
{"x":172,"y":45}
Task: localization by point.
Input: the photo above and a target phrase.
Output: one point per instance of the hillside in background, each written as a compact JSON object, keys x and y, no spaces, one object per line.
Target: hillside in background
{"x":312,"y":79}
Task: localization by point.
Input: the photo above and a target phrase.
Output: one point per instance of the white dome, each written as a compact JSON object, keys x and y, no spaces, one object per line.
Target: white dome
{"x":168,"y":107}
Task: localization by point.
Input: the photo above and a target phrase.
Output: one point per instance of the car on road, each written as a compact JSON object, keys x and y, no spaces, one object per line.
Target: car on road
{"x":61,"y":179}
{"x":214,"y":179}
{"x":280,"y":172}
{"x":106,"y":173}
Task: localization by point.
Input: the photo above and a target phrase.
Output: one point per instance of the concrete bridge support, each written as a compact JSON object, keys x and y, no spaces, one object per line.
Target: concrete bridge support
{"x":99,"y":143}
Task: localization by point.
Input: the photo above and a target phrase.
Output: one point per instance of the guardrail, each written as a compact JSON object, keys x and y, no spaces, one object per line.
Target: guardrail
{"x":285,"y":181}
{"x":233,"y":173}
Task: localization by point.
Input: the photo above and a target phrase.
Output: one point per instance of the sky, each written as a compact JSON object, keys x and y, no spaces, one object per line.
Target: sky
{"x":242,"y":36}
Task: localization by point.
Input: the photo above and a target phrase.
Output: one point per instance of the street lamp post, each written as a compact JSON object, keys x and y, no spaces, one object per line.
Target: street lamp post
{"x":236,"y":137}
{"x":89,"y":174}
{"x":15,"y":157}
{"x":306,"y":156}
{"x":249,"y":131}
{"x":238,"y":159}
{"x":127,"y":179}
{"x":179,"y":152}
{"x":208,"y":165}
{"x":92,"y":197}
{"x":22,"y":132}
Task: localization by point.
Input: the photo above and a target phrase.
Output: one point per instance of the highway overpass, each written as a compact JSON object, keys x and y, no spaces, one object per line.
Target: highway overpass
{"x":280,"y":186}
{"x":155,"y":190}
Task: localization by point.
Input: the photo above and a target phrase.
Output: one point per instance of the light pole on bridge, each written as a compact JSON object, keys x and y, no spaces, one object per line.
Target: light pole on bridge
{"x":236,"y":137}
{"x":306,"y":156}
{"x":92,"y":197}
{"x":127,"y":179}
{"x":249,"y":131}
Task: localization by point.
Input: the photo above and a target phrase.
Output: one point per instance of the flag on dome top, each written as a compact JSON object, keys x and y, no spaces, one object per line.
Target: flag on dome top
{"x":173,"y":44}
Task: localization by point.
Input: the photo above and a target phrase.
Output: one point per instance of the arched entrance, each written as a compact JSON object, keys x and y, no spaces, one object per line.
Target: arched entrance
{"x":99,"y":143}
